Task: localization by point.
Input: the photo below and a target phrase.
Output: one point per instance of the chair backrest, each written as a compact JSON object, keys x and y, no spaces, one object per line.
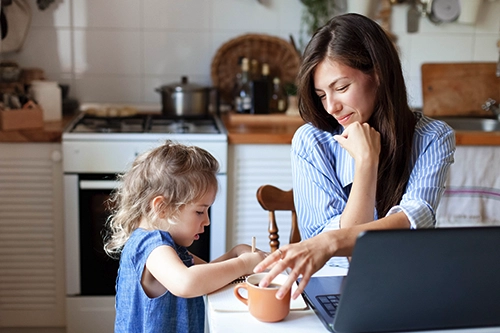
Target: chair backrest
{"x":274,"y":199}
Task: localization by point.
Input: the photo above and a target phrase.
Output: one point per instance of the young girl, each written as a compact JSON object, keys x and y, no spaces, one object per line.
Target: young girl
{"x":160,"y":209}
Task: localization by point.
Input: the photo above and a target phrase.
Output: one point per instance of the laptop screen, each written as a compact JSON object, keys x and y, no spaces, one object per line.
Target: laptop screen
{"x":402,"y":280}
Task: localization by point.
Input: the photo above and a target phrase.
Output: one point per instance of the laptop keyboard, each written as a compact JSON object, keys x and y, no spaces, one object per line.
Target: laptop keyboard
{"x":329,"y":303}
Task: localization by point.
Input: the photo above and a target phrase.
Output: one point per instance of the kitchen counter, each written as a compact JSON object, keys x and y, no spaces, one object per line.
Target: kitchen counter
{"x":241,"y":129}
{"x":279,"y":129}
{"x":50,"y":132}
{"x":261,"y":129}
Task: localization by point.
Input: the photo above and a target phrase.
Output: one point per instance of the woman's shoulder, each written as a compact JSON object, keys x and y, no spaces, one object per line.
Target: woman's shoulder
{"x":427,"y":126}
{"x":308,"y":136}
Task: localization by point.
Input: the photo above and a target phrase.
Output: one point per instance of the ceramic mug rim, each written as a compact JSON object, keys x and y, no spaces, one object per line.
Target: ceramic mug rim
{"x":253,"y":281}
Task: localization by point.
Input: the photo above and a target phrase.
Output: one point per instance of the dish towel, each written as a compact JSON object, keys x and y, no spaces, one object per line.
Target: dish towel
{"x":472,"y":195}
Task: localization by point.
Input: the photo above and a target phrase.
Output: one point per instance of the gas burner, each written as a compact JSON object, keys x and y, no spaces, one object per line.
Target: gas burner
{"x":146,"y":123}
{"x":89,"y":124}
{"x":184,"y":125}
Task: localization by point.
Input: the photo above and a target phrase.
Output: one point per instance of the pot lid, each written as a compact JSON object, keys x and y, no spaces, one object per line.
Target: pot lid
{"x":183,"y":86}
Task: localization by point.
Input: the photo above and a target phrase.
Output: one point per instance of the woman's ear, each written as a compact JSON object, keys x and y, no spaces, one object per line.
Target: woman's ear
{"x":158,"y":206}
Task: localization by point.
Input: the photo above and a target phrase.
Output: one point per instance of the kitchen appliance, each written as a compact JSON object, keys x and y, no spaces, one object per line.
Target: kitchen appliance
{"x":95,"y":150}
{"x":184,"y":98}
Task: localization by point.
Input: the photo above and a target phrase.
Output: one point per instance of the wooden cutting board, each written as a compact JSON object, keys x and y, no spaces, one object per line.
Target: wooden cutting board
{"x":459,"y":89}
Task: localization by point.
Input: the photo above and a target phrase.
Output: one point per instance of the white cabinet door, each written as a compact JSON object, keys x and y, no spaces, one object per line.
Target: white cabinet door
{"x":472,"y":196}
{"x":250,"y":166}
{"x":31,"y":235}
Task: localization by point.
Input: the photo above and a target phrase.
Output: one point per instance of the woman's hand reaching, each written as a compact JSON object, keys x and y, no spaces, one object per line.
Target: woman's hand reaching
{"x":304,"y":259}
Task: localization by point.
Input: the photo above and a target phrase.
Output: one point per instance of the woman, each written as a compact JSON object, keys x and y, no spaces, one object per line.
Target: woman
{"x":363,"y":160}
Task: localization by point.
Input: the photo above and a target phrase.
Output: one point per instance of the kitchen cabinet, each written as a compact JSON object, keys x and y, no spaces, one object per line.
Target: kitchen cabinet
{"x":31,"y":235}
{"x":472,"y":189}
{"x":250,"y":166}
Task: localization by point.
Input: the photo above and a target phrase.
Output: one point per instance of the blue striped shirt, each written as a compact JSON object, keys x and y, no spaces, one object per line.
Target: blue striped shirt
{"x":323,"y":173}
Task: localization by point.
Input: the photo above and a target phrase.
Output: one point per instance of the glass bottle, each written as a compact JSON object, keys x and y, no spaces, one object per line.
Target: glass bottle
{"x":236,"y":84}
{"x":243,"y":100}
{"x":254,"y":70}
{"x":265,"y":76}
{"x":279,"y":100}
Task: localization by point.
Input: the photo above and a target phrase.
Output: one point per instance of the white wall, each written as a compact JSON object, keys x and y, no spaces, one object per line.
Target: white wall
{"x":121,"y":50}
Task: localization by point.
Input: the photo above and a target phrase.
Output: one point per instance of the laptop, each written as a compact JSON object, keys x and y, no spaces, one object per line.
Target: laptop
{"x":410,"y":280}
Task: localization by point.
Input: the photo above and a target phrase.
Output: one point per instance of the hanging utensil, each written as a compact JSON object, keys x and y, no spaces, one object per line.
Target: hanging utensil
{"x":413,"y":17}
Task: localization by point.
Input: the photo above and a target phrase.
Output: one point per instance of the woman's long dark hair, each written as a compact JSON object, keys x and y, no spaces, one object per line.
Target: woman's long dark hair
{"x":360,"y":43}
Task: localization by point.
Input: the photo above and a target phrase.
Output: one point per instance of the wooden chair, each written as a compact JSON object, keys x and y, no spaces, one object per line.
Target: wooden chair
{"x":274,"y":199}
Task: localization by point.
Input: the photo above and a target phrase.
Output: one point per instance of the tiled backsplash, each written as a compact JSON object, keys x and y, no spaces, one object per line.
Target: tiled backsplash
{"x":121,"y":50}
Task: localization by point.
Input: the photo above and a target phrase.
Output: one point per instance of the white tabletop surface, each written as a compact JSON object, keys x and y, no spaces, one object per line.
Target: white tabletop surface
{"x":296,"y":321}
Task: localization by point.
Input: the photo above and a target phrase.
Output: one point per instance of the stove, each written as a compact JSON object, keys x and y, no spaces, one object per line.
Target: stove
{"x":94,"y":144}
{"x":146,"y":123}
{"x":96,"y":149}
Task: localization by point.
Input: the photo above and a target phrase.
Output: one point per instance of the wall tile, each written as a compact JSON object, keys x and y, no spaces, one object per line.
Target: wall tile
{"x":488,"y":19}
{"x":414,"y":89}
{"x":107,"y":52}
{"x":56,"y":15}
{"x":108,"y":89}
{"x":485,"y":47}
{"x":46,"y":48}
{"x":176,"y":53}
{"x":290,"y":15}
{"x":243,"y":16}
{"x":107,"y":14}
{"x":439,"y":48}
{"x":191,"y":15}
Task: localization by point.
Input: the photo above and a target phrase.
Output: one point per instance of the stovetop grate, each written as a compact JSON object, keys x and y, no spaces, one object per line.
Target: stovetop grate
{"x":146,"y":124}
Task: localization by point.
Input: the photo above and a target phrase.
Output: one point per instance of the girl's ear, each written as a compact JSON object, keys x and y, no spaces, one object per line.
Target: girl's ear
{"x":157,"y":205}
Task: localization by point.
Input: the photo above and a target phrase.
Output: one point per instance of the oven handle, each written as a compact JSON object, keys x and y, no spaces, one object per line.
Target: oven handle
{"x":99,"y":184}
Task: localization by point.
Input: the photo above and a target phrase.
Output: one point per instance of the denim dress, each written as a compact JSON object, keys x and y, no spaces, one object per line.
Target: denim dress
{"x":138,"y":313}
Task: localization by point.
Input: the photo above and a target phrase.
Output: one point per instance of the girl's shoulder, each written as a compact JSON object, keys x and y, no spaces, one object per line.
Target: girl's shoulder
{"x":141,"y":239}
{"x":145,"y":241}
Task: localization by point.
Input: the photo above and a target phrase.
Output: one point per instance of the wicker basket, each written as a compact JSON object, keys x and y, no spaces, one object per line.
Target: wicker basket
{"x":281,"y":56}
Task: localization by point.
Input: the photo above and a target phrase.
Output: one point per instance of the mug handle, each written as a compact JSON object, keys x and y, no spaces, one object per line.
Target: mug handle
{"x":237,"y":293}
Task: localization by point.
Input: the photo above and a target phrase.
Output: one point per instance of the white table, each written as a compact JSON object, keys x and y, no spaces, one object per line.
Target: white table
{"x":296,"y":321}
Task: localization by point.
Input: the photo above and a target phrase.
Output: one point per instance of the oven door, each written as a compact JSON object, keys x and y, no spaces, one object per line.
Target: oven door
{"x":90,"y":272}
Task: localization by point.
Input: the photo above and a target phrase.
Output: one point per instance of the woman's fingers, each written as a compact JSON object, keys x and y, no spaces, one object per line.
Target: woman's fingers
{"x":267,"y":262}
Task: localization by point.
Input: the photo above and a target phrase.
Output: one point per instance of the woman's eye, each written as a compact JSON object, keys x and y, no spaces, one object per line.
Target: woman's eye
{"x":343,"y":88}
{"x":200,"y":213}
{"x":321,"y":96}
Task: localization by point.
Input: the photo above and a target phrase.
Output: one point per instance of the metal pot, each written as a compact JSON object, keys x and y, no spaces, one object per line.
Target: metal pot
{"x":184,"y":98}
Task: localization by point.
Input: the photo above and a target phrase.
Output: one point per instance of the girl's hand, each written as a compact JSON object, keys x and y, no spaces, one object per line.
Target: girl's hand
{"x":304,"y":258}
{"x":361,"y":141}
{"x":235,"y":252}
{"x":240,"y":249}
{"x":251,"y":259}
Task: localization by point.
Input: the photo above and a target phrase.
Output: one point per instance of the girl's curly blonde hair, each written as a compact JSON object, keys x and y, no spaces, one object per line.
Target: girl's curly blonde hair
{"x":180,"y":174}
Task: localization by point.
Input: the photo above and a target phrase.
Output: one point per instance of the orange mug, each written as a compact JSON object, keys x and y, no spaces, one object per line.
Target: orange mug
{"x":262,"y":302}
